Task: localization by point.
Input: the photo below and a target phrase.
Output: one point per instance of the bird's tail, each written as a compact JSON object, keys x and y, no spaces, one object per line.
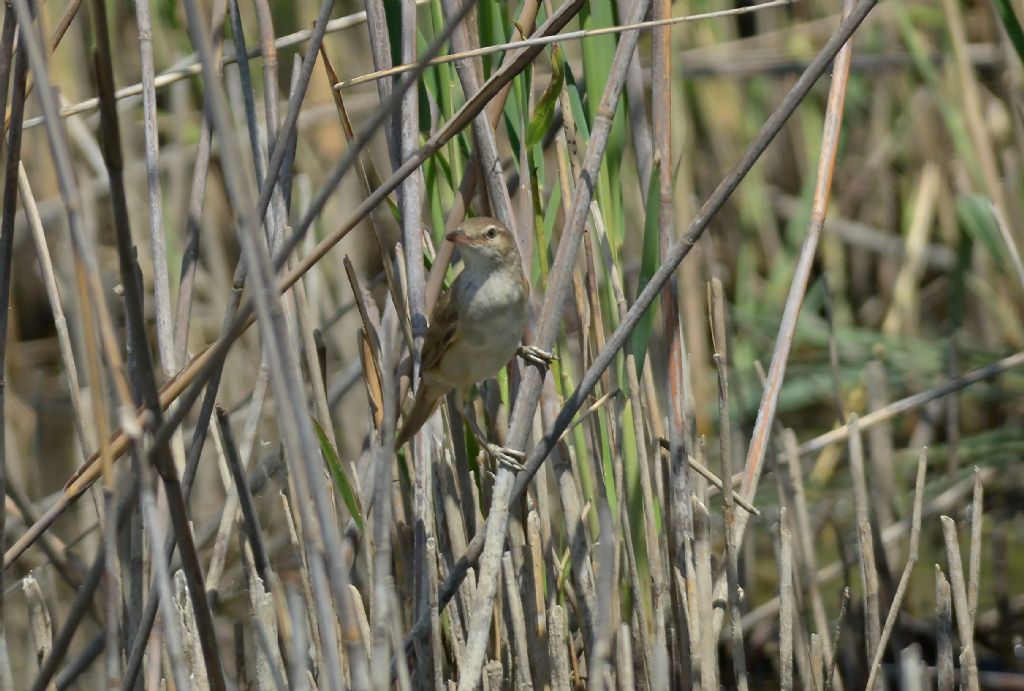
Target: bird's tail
{"x":426,"y":402}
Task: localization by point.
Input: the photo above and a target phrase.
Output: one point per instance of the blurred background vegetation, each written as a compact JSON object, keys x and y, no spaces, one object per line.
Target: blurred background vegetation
{"x":917,"y":280}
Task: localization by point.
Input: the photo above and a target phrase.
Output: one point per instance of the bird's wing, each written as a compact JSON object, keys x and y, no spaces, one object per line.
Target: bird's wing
{"x":442,"y":332}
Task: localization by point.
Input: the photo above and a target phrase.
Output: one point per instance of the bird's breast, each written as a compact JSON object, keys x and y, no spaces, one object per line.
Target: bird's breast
{"x":495,"y":310}
{"x":492,"y":318}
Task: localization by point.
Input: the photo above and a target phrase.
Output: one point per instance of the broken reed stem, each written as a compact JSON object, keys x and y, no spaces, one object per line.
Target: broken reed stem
{"x":844,"y":608}
{"x":786,"y":611}
{"x":865,"y":541}
{"x":974,"y":560}
{"x":964,"y":621}
{"x":901,"y":589}
{"x":948,"y":500}
{"x":944,"y":634}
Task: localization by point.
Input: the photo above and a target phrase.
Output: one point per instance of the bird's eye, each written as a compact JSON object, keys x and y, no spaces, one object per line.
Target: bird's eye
{"x":491,"y":233}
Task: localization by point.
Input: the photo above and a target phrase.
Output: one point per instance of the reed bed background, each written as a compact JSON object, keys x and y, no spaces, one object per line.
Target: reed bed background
{"x":781,"y":442}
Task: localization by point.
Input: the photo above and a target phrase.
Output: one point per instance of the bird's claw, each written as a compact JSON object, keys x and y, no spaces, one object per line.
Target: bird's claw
{"x":536,"y":356}
{"x":509,"y":458}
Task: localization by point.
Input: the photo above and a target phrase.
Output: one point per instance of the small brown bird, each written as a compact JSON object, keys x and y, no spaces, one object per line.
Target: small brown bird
{"x":476,"y":327}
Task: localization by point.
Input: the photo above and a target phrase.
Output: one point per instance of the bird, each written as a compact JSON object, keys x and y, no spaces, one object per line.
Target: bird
{"x":476,"y":327}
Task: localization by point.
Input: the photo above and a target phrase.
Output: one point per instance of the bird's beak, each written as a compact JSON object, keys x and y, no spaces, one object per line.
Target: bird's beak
{"x":457,"y":237}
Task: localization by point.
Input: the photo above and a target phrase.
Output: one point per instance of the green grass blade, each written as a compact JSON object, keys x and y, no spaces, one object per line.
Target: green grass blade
{"x":1009,"y":19}
{"x":544,"y":111}
{"x":648,"y":265}
{"x":974,"y":213}
{"x":338,"y":475}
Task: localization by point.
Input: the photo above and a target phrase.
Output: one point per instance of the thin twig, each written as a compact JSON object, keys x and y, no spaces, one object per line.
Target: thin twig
{"x":840,"y":434}
{"x":568,"y":36}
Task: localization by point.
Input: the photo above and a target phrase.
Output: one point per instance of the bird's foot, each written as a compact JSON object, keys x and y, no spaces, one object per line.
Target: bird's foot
{"x":536,"y":356}
{"x":509,"y":458}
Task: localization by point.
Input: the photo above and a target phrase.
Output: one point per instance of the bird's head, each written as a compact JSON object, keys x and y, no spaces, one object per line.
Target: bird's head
{"x":485,"y":241}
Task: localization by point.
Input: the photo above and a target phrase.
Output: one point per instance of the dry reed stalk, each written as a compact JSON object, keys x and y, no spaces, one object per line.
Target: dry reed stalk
{"x":10,"y":194}
{"x":60,"y":321}
{"x":190,"y":637}
{"x":716,"y":309}
{"x":707,"y":644}
{"x":253,"y":532}
{"x":296,"y":429}
{"x":865,"y":543}
{"x":817,"y":663}
{"x":624,"y":659}
{"x":944,"y":633}
{"x":948,"y":500}
{"x":520,"y":646}
{"x":792,"y":482}
{"x":197,"y":194}
{"x":844,"y":608}
{"x":883,"y":481}
{"x":901,"y":589}
{"x":786,"y":611}
{"x":560,"y":678}
{"x":754,"y":463}
{"x":964,"y":620}
{"x":974,"y":560}
{"x":39,"y":623}
{"x":681,"y":415}
{"x":171,"y":632}
{"x":143,"y":374}
{"x":158,"y":246}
